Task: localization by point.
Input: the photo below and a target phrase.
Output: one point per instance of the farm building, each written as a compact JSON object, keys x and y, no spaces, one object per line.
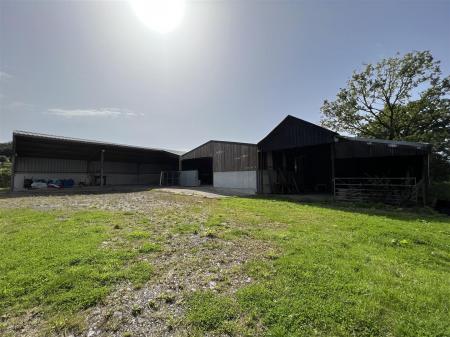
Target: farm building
{"x":223,"y":164}
{"x":301,"y":157}
{"x":295,"y":157}
{"x":83,"y":162}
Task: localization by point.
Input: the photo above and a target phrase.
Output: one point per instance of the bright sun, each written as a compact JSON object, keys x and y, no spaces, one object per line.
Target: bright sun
{"x":160,"y":15}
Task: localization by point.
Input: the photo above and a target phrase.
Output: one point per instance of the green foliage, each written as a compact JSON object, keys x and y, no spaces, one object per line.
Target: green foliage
{"x":5,"y":174}
{"x":6,"y":149}
{"x":340,"y":272}
{"x":440,"y":190}
{"x":399,"y":98}
{"x":138,"y":235}
{"x":149,"y":247}
{"x":58,"y":261}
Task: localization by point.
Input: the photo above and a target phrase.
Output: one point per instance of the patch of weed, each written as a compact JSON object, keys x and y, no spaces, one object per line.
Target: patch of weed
{"x":149,"y":247}
{"x":209,"y":311}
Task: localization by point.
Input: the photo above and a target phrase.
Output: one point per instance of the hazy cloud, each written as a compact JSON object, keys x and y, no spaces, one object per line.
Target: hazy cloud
{"x":19,"y":105}
{"x":102,"y":112}
{"x":4,"y":75}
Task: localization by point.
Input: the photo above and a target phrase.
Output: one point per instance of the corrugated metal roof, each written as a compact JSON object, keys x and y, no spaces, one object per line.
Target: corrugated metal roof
{"x":417,"y":145}
{"x":86,"y":141}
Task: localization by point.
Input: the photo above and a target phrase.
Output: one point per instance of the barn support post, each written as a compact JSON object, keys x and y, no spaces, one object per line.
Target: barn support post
{"x":270,"y":170}
{"x":13,"y":164}
{"x":426,"y":177}
{"x":88,"y":172}
{"x":258,"y":172}
{"x":138,"y":173}
{"x":102,"y":159}
{"x":333,"y":181}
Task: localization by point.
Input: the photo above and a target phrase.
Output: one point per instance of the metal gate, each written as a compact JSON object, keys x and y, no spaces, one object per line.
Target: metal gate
{"x":387,"y":190}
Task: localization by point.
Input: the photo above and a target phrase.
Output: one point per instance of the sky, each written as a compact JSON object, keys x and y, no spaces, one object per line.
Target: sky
{"x":232,"y":70}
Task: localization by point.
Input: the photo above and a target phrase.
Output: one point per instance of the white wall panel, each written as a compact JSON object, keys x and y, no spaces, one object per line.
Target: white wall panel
{"x":245,"y":180}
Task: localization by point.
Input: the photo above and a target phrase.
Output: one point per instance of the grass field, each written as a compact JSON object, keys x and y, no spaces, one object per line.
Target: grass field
{"x":321,"y":270}
{"x":63,"y":263}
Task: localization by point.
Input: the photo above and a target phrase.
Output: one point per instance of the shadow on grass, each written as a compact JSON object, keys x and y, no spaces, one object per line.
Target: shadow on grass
{"x":90,"y":190}
{"x":373,"y":209}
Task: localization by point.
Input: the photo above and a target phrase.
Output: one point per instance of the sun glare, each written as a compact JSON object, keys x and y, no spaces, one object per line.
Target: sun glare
{"x":162,"y":16}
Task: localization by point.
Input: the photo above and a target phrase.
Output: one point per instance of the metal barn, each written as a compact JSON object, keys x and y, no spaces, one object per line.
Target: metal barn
{"x":301,"y":157}
{"x":295,"y":157}
{"x":45,"y":157}
{"x":223,"y":164}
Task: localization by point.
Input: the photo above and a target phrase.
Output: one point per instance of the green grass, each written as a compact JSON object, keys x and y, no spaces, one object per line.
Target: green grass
{"x":210,"y":311}
{"x":62,"y":263}
{"x":5,"y":175}
{"x":341,"y":272}
{"x":322,"y":270}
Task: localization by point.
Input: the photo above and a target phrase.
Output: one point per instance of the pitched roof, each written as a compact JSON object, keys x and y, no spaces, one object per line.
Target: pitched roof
{"x":295,"y":132}
{"x":216,"y":141}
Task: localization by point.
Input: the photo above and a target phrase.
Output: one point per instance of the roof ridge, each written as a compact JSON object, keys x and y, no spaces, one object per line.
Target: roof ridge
{"x":299,"y":120}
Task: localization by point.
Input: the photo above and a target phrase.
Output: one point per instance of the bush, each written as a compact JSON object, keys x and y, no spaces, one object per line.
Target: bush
{"x":5,"y":174}
{"x":6,"y":149}
{"x":439,"y":168}
{"x":440,"y":191}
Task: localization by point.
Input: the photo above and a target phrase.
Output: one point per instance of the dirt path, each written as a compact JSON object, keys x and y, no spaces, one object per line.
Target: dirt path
{"x":189,"y":262}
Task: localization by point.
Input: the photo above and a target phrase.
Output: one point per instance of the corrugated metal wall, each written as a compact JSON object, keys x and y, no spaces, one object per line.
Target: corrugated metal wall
{"x":157,"y":168}
{"x":114,"y":167}
{"x":54,"y":165}
{"x":227,"y":156}
{"x":50,"y":165}
{"x":117,"y":173}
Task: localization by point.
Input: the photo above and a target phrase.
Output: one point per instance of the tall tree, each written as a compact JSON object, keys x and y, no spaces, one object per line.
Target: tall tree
{"x":6,"y":149}
{"x":399,"y":98}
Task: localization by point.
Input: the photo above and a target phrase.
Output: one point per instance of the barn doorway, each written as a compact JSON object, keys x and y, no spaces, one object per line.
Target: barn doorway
{"x":301,"y":170}
{"x":203,"y":165}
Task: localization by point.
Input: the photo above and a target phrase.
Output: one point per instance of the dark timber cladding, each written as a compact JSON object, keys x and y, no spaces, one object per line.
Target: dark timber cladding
{"x":294,"y":132}
{"x":300,"y":157}
{"x":226,"y":156}
{"x":296,"y":157}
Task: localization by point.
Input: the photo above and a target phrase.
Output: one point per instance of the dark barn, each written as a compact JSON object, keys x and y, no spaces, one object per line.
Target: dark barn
{"x":301,"y":157}
{"x":45,"y":157}
{"x":296,"y":157}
